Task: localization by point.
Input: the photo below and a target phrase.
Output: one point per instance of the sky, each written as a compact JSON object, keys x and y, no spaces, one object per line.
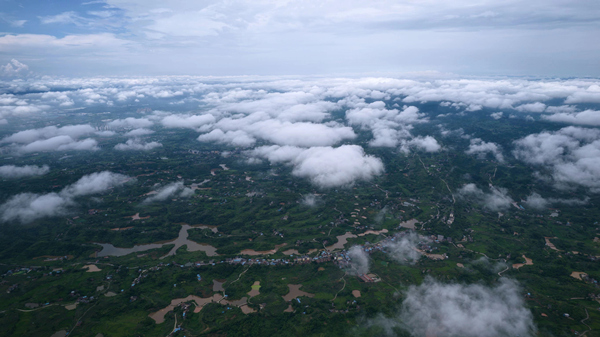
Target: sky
{"x":543,"y":38}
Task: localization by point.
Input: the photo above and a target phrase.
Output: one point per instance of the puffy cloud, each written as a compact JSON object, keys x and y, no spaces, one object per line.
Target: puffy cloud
{"x":242,"y":132}
{"x":14,"y":172}
{"x":137,"y":145}
{"x":310,"y":200}
{"x":324,"y":166}
{"x":570,"y":156}
{"x":480,"y":148}
{"x":587,"y":117}
{"x":532,"y":107}
{"x":590,"y":95}
{"x":94,"y":183}
{"x":237,"y":138}
{"x":404,"y":249}
{"x":389,"y":127}
{"x":536,"y":201}
{"x":28,"y":207}
{"x":359,"y":261}
{"x":450,"y":310}
{"x":427,"y":144}
{"x":495,"y":200}
{"x":172,"y":190}
{"x":60,"y":143}
{"x":138,"y":132}
{"x":561,"y":108}
{"x":13,"y":68}
{"x":291,"y":106}
{"x":52,"y":138}
{"x":29,"y":136}
{"x":301,"y":134}
{"x":130,"y":123}
{"x":187,"y":121}
{"x":497,"y":115}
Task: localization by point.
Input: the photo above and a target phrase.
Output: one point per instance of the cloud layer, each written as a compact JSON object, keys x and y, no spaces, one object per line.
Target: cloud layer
{"x":567,"y":157}
{"x":404,"y":249}
{"x":495,"y":200}
{"x":28,"y":207}
{"x":169,"y":191}
{"x":324,"y":166}
{"x":15,"y":172}
{"x":452,"y":310}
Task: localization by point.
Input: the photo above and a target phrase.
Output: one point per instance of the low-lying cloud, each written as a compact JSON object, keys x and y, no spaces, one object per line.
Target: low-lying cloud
{"x":480,"y":148}
{"x":130,"y":123}
{"x":404,"y":249}
{"x":310,"y":200}
{"x":359,"y":261}
{"x":28,"y":207}
{"x":15,"y":172}
{"x":52,"y":138}
{"x":495,"y":200}
{"x":587,"y":117}
{"x":176,"y":189}
{"x":567,"y":157}
{"x":451,"y":310}
{"x":538,"y":202}
{"x":324,"y":166}
{"x":137,"y":145}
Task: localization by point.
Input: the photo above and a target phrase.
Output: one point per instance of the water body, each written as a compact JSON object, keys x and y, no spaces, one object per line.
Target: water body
{"x":373,"y":232}
{"x":410,"y":224}
{"x":296,"y":292}
{"x":110,"y":250}
{"x":218,"y":285}
{"x":200,"y":302}
{"x":342,"y":240}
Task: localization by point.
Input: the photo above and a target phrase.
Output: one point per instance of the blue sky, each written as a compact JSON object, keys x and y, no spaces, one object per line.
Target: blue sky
{"x":299,"y":37}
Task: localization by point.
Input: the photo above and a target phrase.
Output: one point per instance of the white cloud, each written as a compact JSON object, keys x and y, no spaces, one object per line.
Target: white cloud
{"x":570,"y":156}
{"x":137,"y":145}
{"x":301,"y":134}
{"x":138,"y":132}
{"x":187,"y":121}
{"x":28,"y":207}
{"x":448,"y":310}
{"x":536,"y":201}
{"x":532,"y":107}
{"x":94,"y":183}
{"x":561,"y":108}
{"x":64,"y":18}
{"x":590,"y":95}
{"x":390,"y":127}
{"x":587,"y":117}
{"x":427,"y":144}
{"x":13,"y":68}
{"x":359,"y":261}
{"x":404,"y":249}
{"x":29,"y":136}
{"x":60,"y":143}
{"x":310,"y":200}
{"x":324,"y":166}
{"x":496,"y":199}
{"x":15,"y":172}
{"x":480,"y":148}
{"x":130,"y":123}
{"x":172,"y":190}
{"x":242,"y":132}
{"x":496,"y":115}
{"x":236,"y":138}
